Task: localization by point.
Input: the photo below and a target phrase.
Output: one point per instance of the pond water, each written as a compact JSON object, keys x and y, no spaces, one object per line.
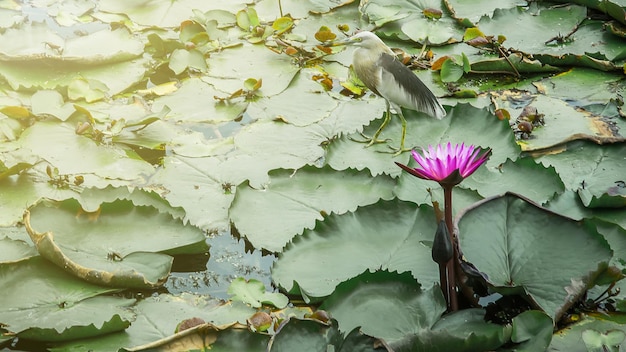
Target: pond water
{"x":211,"y":273}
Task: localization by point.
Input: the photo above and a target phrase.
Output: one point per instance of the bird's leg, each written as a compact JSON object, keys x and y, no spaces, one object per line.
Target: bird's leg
{"x":398,"y":151}
{"x":382,"y":127}
{"x":374,"y":139}
{"x":401,"y":149}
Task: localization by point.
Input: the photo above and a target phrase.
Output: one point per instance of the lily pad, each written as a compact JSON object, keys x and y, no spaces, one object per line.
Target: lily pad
{"x":477,"y":9}
{"x":569,"y":204}
{"x":261,"y":148}
{"x":514,"y":63}
{"x":59,"y":144}
{"x":199,"y":187}
{"x":603,"y":333}
{"x":524,"y":248}
{"x":194,"y":101}
{"x":288,"y":107}
{"x":207,"y":336}
{"x":412,"y":189}
{"x":23,"y":75}
{"x":230,"y":68}
{"x":595,"y":172}
{"x":523,"y":176}
{"x":113,"y":247}
{"x":350,"y":116}
{"x":299,"y":9}
{"x":564,"y":123}
{"x":611,"y":340}
{"x":96,"y":56}
{"x":532,"y":331}
{"x":253,"y":293}
{"x":388,"y":235}
{"x":541,"y":24}
{"x":160,"y":14}
{"x":50,"y":102}
{"x":486,"y":131}
{"x":583,"y":86}
{"x":62,"y":307}
{"x":297,"y":200}
{"x":388,"y":305}
{"x":20,"y":192}
{"x":312,"y":335}
{"x":413,"y":21}
{"x":392,"y":307}
{"x":463,"y":330}
{"x":12,"y":250}
{"x":615,"y":235}
{"x":181,"y":60}
{"x":150,"y":326}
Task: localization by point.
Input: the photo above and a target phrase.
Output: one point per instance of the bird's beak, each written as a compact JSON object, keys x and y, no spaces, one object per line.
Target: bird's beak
{"x":346,"y":41}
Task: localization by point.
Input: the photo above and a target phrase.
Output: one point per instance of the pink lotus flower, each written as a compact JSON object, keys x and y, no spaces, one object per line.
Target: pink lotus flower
{"x":447,"y":164}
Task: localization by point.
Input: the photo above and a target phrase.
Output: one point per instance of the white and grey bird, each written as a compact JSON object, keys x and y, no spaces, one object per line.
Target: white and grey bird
{"x":379,"y":69}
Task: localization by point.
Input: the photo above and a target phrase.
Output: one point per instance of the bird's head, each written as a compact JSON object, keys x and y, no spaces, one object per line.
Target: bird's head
{"x":362,"y":39}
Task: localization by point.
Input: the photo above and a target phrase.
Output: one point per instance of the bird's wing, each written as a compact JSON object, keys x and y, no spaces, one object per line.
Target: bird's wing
{"x":400,"y":85}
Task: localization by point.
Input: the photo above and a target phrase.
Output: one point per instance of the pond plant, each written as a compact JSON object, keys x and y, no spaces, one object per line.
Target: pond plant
{"x":140,"y":142}
{"x":447,"y":165}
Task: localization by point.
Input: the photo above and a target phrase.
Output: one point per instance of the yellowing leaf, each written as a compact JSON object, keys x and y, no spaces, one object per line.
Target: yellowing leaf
{"x":282,"y":25}
{"x":15,"y":112}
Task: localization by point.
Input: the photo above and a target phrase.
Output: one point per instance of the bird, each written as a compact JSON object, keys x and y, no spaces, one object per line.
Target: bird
{"x":378,"y":67}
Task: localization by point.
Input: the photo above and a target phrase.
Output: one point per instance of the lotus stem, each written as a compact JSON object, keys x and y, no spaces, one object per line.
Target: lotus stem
{"x":453,"y":304}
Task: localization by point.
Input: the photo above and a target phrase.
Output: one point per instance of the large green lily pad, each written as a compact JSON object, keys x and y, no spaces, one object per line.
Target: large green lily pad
{"x":45,"y":303}
{"x":388,"y":235}
{"x":540,"y":23}
{"x":532,"y":331}
{"x":230,"y":68}
{"x":463,"y":124}
{"x":473,"y":11}
{"x":116,"y":246}
{"x":91,"y":58}
{"x":387,"y":305}
{"x":523,"y":176}
{"x":394,"y":308}
{"x":522,"y":247}
{"x":199,"y":186}
{"x":194,"y":101}
{"x":595,"y":172}
{"x":151,"y":328}
{"x":59,"y":144}
{"x":297,"y":200}
{"x":564,"y":123}
{"x":163,"y":14}
{"x":314,"y":335}
{"x":414,"y":24}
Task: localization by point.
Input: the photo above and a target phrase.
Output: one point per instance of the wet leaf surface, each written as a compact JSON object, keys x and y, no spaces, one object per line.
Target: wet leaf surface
{"x":522,"y":246}
{"x":125,"y":255}
{"x":60,"y":307}
{"x":302,"y":198}
{"x":393,"y":236}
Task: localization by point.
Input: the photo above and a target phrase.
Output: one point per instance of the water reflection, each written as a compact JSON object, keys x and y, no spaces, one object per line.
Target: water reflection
{"x":211,"y":273}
